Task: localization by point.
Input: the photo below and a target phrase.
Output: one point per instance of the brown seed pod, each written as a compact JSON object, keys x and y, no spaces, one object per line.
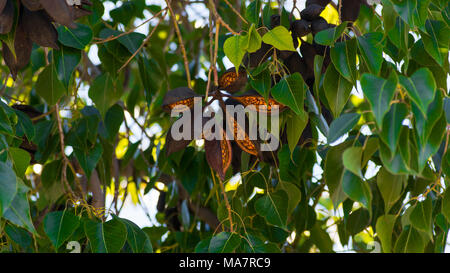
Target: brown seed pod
{"x":2,"y":5}
{"x":178,"y":96}
{"x":350,"y":10}
{"x":39,"y":28}
{"x":319,"y":24}
{"x":32,"y":5}
{"x":80,"y":11}
{"x":296,"y":63}
{"x":301,"y":28}
{"x":232,"y":82}
{"x":322,"y":3}
{"x":173,"y":145}
{"x":7,"y":17}
{"x":259,"y":56}
{"x":243,"y":140}
{"x":59,"y":11}
{"x":308,"y":53}
{"x":218,"y":154}
{"x":259,"y":103}
{"x":22,"y":48}
{"x":311,"y":12}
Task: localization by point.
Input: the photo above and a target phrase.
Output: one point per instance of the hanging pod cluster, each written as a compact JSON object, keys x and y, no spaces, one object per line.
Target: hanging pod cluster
{"x":25,"y":22}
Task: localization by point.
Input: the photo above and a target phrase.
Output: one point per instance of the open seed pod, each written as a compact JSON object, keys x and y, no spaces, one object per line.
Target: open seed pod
{"x":253,"y":98}
{"x":178,"y":96}
{"x":311,"y":12}
{"x":232,"y":82}
{"x":218,"y":152}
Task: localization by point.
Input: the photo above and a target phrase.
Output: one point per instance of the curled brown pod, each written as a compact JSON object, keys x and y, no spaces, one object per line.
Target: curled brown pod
{"x":32,"y":5}
{"x":233,"y":82}
{"x":178,"y":96}
{"x":218,"y":154}
{"x":6,"y":17}
{"x":301,"y":28}
{"x":259,"y":102}
{"x":39,"y":28}
{"x":318,"y":24}
{"x":59,"y":11}
{"x":311,"y":12}
{"x":322,"y":3}
{"x":22,"y":48}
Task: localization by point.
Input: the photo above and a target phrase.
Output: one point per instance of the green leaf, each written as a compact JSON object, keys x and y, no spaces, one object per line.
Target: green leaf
{"x":379,"y":92}
{"x":113,"y":119}
{"x":352,"y":160}
{"x":8,"y":186}
{"x":333,"y":173}
{"x":420,"y":88}
{"x":420,"y":216}
{"x":293,"y":193}
{"x":273,"y":207}
{"x":224,"y":242}
{"x":357,"y":189}
{"x":280,"y":38}
{"x":59,"y":226}
{"x":424,"y":123}
{"x":290,"y":91}
{"x":385,"y":228}
{"x":185,"y":216}
{"x":329,"y":36}
{"x":24,"y":125}
{"x":252,"y":11}
{"x":21,"y":160}
{"x":357,"y":221}
{"x":446,"y":205}
{"x":392,"y":125}
{"x":409,"y":241}
{"x":295,"y":126}
{"x":253,"y":40}
{"x":106,"y":237}
{"x":371,"y":48}
{"x":406,"y":9}
{"x":433,"y":142}
{"x":18,"y":212}
{"x":342,"y":125}
{"x":137,"y":239}
{"x":88,"y":159}
{"x":48,"y":86}
{"x":435,"y":39}
{"x":343,"y":56}
{"x":66,"y":60}
{"x":390,"y":187}
{"x":78,"y":37}
{"x":233,"y":49}
{"x":5,"y":124}
{"x":262,"y":83}
{"x":337,"y":90}
{"x":104,"y":92}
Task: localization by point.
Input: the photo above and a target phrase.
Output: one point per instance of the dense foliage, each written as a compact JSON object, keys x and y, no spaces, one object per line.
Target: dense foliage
{"x":364,"y":125}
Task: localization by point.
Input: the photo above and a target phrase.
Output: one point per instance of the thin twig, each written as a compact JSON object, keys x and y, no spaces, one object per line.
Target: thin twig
{"x":111,"y":38}
{"x":180,"y":41}
{"x":142,"y":45}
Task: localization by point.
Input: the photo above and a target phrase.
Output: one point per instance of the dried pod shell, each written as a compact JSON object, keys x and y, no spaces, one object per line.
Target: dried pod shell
{"x":32,"y":5}
{"x":259,"y":103}
{"x":311,"y":12}
{"x":2,"y":5}
{"x":219,"y":154}
{"x":350,"y":10}
{"x":232,"y":82}
{"x":59,"y":11}
{"x":22,"y":48}
{"x":259,"y":56}
{"x":178,"y":96}
{"x":39,"y":28}
{"x":7,"y":17}
{"x":322,"y":3}
{"x":319,"y":24}
{"x":301,"y":28}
